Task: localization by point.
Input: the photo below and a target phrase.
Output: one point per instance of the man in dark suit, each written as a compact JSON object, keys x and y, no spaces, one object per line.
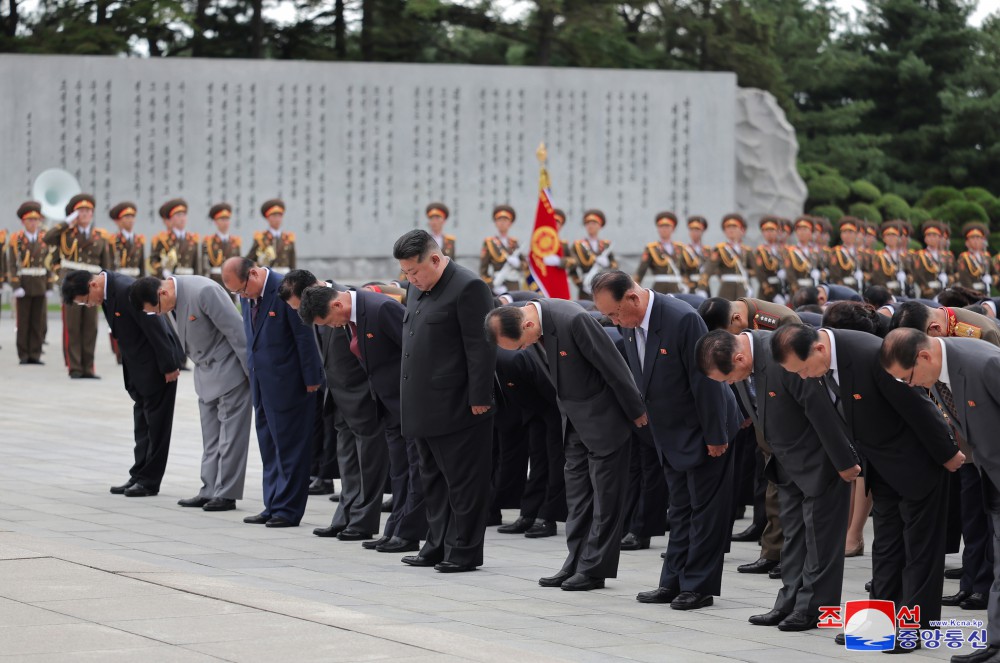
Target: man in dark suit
{"x":285,"y":372}
{"x":907,"y":451}
{"x":812,"y":464}
{"x":375,"y":324}
{"x":965,"y":377}
{"x":151,"y":361}
{"x":446,"y":396}
{"x":599,"y":403}
{"x":692,"y":422}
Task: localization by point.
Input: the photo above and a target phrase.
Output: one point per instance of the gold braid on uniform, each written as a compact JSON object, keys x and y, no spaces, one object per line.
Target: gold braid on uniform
{"x":974,"y":270}
{"x":496,"y":249}
{"x":799,"y":265}
{"x":69,"y":251}
{"x":765,"y":256}
{"x":577,"y":245}
{"x":723,"y":249}
{"x":841,"y":256}
{"x":690,"y":258}
{"x":887,"y":265}
{"x":23,"y":239}
{"x":216,"y":261}
{"x":932,"y":269}
{"x":657,"y":255}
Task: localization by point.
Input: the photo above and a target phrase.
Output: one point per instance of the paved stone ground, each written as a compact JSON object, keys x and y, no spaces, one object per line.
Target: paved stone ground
{"x":86,"y":575}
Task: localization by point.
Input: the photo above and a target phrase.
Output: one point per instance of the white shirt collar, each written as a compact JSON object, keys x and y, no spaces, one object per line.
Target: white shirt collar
{"x":944,"y":377}
{"x":31,"y":238}
{"x":224,"y":238}
{"x":127,"y":235}
{"x":179,"y":234}
{"x":538,"y":307}
{"x":750,"y":338}
{"x":274,"y":233}
{"x":649,"y":310}
{"x":992,"y":304}
{"x":833,"y":355}
{"x":354,"y":306}
{"x":105,"y":285}
{"x":668,"y":247}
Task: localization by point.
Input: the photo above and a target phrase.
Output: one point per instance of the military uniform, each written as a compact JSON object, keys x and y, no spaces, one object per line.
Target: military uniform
{"x":28,"y":261}
{"x":968,"y":324}
{"x":973,"y":268}
{"x":663,"y":260}
{"x":801,"y":261}
{"x":844,"y":266}
{"x":274,"y":249}
{"x":499,"y":264}
{"x":889,"y":267}
{"x":90,"y":251}
{"x":767,"y":263}
{"x":567,"y":261}
{"x":732,"y":263}
{"x":929,"y":267}
{"x":173,"y":255}
{"x":694,"y":275}
{"x":821,"y":246}
{"x":767,"y":315}
{"x":128,"y":250}
{"x":217,"y":248}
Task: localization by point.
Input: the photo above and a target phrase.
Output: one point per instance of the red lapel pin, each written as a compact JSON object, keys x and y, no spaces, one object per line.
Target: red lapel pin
{"x":191,"y":319}
{"x":663,"y":351}
{"x":857,"y":397}
{"x":271,"y":314}
{"x":562,"y":353}
{"x":369,"y":335}
{"x":972,"y":403}
{"x":771,"y":394}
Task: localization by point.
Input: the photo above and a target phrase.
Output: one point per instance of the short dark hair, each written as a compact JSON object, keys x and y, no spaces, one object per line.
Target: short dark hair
{"x":805,"y":296}
{"x":315,"y":302}
{"x":976,"y":308}
{"x":956,"y":295}
{"x":901,"y":346}
{"x":855,"y":315}
{"x":716,"y":312}
{"x":295,"y":282}
{"x":616,"y":282}
{"x":144,"y":291}
{"x":877,"y":295}
{"x":913,"y":315}
{"x":76,"y":284}
{"x":795,"y":338}
{"x":416,"y":243}
{"x":509,"y":320}
{"x":244,"y":267}
{"x":809,"y":308}
{"x":715,"y":350}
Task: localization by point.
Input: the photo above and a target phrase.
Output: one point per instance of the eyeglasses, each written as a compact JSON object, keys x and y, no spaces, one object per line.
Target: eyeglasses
{"x":242,"y":291}
{"x":909,"y":381}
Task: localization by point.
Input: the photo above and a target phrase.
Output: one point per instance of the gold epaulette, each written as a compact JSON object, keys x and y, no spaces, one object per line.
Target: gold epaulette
{"x":449,"y":238}
{"x":195,"y":237}
{"x":287,"y":237}
{"x":235,"y":240}
{"x":140,"y":239}
{"x":965,"y":330}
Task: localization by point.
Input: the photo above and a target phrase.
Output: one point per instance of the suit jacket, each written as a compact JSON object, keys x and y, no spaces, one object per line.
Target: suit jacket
{"x":841,"y":293}
{"x":693,"y":300}
{"x":897,"y":429}
{"x":447,"y":365}
{"x":211,"y":333}
{"x":149,"y":350}
{"x":974,"y":372}
{"x":380,"y":343}
{"x":687,"y":410}
{"x":282,"y":357}
{"x":805,"y":433}
{"x":593,"y":386}
{"x":524,"y":389}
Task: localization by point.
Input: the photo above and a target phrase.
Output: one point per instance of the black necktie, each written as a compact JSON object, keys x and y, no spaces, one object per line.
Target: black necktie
{"x":947,"y":398}
{"x":834,"y":388}
{"x":253,"y":311}
{"x":542,"y":354}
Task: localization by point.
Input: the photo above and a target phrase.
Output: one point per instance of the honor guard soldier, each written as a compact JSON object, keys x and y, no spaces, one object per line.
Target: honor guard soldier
{"x":665,"y":258}
{"x":274,"y":248}
{"x":695,"y":278}
{"x":973,"y":269}
{"x":499,"y":261}
{"x":768,"y":261}
{"x":219,"y":246}
{"x":568,"y":262}
{"x":27,"y":263}
{"x":929,"y":266}
{"x":128,"y":249}
{"x":437,"y":214}
{"x":844,"y":266}
{"x":822,"y":229}
{"x":867,"y":250}
{"x":174,"y":251}
{"x":80,"y":246}
{"x":889,"y":265}
{"x":732,"y":261}
{"x":801,"y":263}
{"x":593,"y":255}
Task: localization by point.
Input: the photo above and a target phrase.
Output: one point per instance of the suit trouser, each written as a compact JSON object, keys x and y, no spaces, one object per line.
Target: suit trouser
{"x":363,"y":459}
{"x":767,"y":510}
{"x":324,"y":458}
{"x":596,"y":489}
{"x":225,"y":434}
{"x":408,"y":519}
{"x":79,"y":337}
{"x":545,"y":491}
{"x":647,"y":498}
{"x":32,"y":323}
{"x":992,"y":496}
{"x":455,"y":472}
{"x":700,"y":525}
{"x":744,"y":447}
{"x":812,"y":560}
{"x":908,"y":550}
{"x":511,"y":467}
{"x":284,"y":439}
{"x":977,"y":532}
{"x":153,"y":418}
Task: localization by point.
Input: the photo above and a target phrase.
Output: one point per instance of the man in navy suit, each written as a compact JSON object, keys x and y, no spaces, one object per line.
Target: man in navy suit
{"x":692,"y":421}
{"x":285,"y":370}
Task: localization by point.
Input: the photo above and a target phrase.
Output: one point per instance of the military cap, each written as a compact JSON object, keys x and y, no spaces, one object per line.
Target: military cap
{"x":441,"y":208}
{"x":504,"y":211}
{"x":125,"y":208}
{"x":220,"y":211}
{"x":29,"y":210}
{"x":698,"y":221}
{"x":560,"y":215}
{"x":80,"y":201}
{"x":664,"y":218}
{"x":804,"y":220}
{"x":272,"y":206}
{"x":786,"y":224}
{"x":890,"y":228}
{"x":975,"y":229}
{"x":769,"y":223}
{"x":594,"y":215}
{"x":932,"y":227}
{"x":904,"y":227}
{"x":733,"y":219}
{"x":850,"y":223}
{"x":871,"y":229}
{"x":173,"y":206}
{"x":822,"y":224}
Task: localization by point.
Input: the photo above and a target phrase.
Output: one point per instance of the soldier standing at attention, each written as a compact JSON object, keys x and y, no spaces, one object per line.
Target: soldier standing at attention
{"x":732,"y":260}
{"x":801,"y":264}
{"x":80,"y":246}
{"x":174,"y":251}
{"x":219,"y":246}
{"x":29,"y":276}
{"x":665,"y":258}
{"x":593,"y":254}
{"x":890,"y":264}
{"x":437,"y":214}
{"x":499,"y":262}
{"x":274,"y":248}
{"x":974,"y":263}
{"x":767,"y":258}
{"x":844,"y":267}
{"x":928,"y":266}
{"x":568,"y":262}
{"x":694,"y":276}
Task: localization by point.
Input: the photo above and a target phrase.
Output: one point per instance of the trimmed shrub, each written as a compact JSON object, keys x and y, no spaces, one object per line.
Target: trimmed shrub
{"x":831,"y":212}
{"x":958,"y":212}
{"x":865,"y":212}
{"x":918,"y":215}
{"x":864,"y":191}
{"x":939,"y":195}
{"x":893,"y":206}
{"x":828,"y":190}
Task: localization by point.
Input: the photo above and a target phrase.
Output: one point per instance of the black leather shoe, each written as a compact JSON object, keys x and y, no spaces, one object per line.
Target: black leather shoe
{"x":691,"y":601}
{"x":91,"y":376}
{"x":418,"y":560}
{"x":219,"y":504}
{"x":868,"y":586}
{"x":120,"y":490}
{"x":579,"y":582}
{"x":260,"y":519}
{"x":981,"y":656}
{"x":328,"y":532}
{"x":555,"y":581}
{"x":760,"y":566}
{"x":772,"y":618}
{"x":798,"y":621}
{"x":663,"y":555}
{"x":519,"y":526}
{"x":278,"y":521}
{"x":194,"y":501}
{"x":541,"y":529}
{"x":954,"y":574}
{"x":351,"y":534}
{"x":398,"y":545}
{"x":899,"y":649}
{"x":387,"y":506}
{"x":751,"y":533}
{"x":775,"y":573}
{"x":321,"y":487}
{"x":955,"y":599}
{"x":452,"y":567}
{"x":138,"y":490}
{"x":975,"y":601}
{"x":372,"y":545}
{"x":75,"y":376}
{"x":658,"y":595}
{"x":335,"y":497}
{"x":840,"y":639}
{"x":632,"y":542}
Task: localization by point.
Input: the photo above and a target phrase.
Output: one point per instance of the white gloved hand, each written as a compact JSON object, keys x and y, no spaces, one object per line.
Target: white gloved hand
{"x":701,"y":292}
{"x":815,"y":275}
{"x":859,"y":276}
{"x":500,"y":290}
{"x":552,"y":261}
{"x":18,"y":293}
{"x":513,"y":260}
{"x":603,"y":261}
{"x":782,"y":274}
{"x":988,"y":280}
{"x":901,"y":276}
{"x":943,"y":278}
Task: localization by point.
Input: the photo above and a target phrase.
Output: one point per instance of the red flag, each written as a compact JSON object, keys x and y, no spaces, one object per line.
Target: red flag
{"x":548,"y":280}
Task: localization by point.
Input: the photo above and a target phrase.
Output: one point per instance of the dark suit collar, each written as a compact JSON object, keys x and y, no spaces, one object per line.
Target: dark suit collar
{"x":652,"y":339}
{"x":267,"y":296}
{"x":449,"y":272}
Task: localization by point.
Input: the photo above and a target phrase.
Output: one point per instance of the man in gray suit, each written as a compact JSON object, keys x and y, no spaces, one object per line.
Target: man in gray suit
{"x":210,"y":330}
{"x":964,"y":375}
{"x":599,"y":403}
{"x":812,"y":464}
